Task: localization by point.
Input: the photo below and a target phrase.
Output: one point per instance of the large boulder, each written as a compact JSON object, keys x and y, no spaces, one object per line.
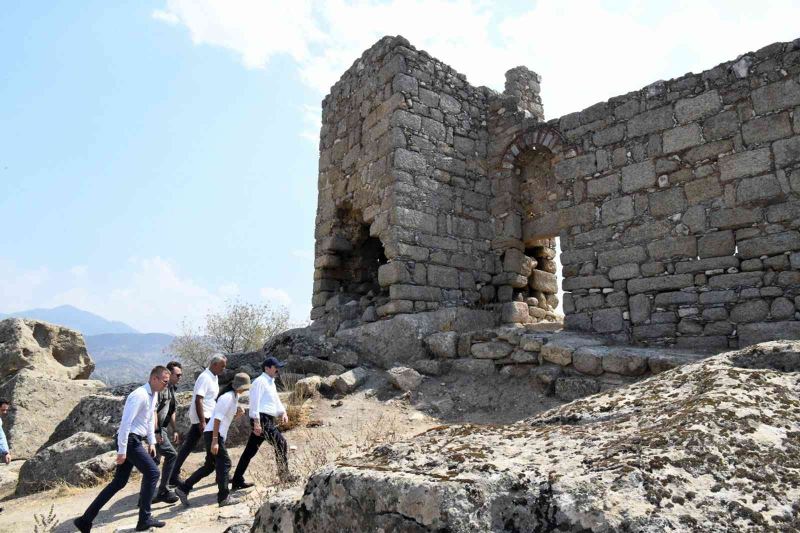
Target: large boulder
{"x":53,"y":350}
{"x":39,"y":402}
{"x":709,"y":446}
{"x":401,"y":338}
{"x":62,"y":462}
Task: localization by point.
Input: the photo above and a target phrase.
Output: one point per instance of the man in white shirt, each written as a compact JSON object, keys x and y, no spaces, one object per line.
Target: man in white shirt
{"x":204,"y":398}
{"x":136,"y":427}
{"x":266,"y":409}
{"x":215,"y":435}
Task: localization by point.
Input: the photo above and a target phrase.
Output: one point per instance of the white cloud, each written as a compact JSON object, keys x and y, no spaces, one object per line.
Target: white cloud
{"x":166,"y":16}
{"x":276,"y":296}
{"x":312,"y":122}
{"x":586,"y":51}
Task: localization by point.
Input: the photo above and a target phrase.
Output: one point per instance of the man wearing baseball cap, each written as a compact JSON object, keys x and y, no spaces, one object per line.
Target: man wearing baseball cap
{"x":266,"y":410}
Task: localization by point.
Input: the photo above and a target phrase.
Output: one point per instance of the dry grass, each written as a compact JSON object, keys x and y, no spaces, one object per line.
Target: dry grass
{"x":45,"y":523}
{"x":298,"y":402}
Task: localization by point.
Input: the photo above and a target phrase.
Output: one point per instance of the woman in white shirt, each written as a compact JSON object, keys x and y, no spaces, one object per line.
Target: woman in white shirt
{"x":217,"y":458}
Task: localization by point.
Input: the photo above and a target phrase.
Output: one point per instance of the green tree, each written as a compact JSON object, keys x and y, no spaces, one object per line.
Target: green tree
{"x":239,"y":327}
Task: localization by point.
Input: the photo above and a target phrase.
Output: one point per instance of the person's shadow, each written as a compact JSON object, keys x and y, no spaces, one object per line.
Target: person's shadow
{"x":125,"y":510}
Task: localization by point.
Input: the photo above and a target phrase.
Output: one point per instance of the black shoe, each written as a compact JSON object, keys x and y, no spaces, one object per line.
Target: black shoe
{"x":183,"y":495}
{"x":242,"y":486}
{"x":82,"y":525}
{"x":144,"y":526}
{"x":166,"y":497}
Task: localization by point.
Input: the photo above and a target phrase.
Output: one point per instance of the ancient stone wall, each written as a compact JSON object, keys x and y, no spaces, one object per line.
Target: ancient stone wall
{"x":676,"y":206}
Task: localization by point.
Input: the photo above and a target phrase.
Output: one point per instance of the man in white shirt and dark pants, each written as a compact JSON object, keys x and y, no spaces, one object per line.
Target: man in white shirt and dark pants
{"x":204,"y":398}
{"x":266,"y":410}
{"x":135,"y":447}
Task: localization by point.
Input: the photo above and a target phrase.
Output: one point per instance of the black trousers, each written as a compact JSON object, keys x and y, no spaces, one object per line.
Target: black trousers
{"x":271,"y":433}
{"x":167,"y":451}
{"x":221,"y":463}
{"x":192,"y":436}
{"x":137,"y":456}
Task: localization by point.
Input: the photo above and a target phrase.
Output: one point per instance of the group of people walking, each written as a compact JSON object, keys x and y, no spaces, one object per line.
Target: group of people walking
{"x":148,"y":432}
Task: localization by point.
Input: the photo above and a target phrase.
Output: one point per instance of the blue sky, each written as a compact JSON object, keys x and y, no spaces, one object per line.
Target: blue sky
{"x":158,"y":157}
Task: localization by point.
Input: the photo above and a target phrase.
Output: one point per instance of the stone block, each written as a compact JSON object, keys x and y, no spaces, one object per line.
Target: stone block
{"x":774,"y":244}
{"x":573,"y":388}
{"x":654,"y":331}
{"x":633,"y":254}
{"x":530,"y":343}
{"x":413,"y":219}
{"x":703,"y":265}
{"x":735,"y":218}
{"x":720,"y":126}
{"x":667,"y":202}
{"x":586,"y":282}
{"x":716,"y":244}
{"x":559,"y":349}
{"x":661,"y":361}
{"x":393,"y":272}
{"x":675,"y":298}
{"x":758,"y":188}
{"x":607,"y":320}
{"x":516,"y":261}
{"x":740,"y":279}
{"x":638,"y":176}
{"x":575,"y":167}
{"x":789,"y":279}
{"x":602,"y":186}
{"x":395,"y":307}
{"x":660,"y":283}
{"x":690,"y":109}
{"x":544,"y":281}
{"x":768,"y":331}
{"x":350,"y":380}
{"x":415,"y":292}
{"x":765,"y":129}
{"x":617,"y":210}
{"x":609,"y":135}
{"x":681,"y":246}
{"x":626,"y":271}
{"x":787,"y":151}
{"x":335,"y":244}
{"x":781,"y":309}
{"x":442,"y":276}
{"x":514,"y":312}
{"x":703,"y":189}
{"x":410,"y":161}
{"x":443,"y":345}
{"x":588,"y":360}
{"x":650,"y":121}
{"x":681,"y":138}
{"x":491,"y":350}
{"x":744,"y":164}
{"x":779,"y":95}
{"x":571,"y":257}
{"x":625,"y":362}
{"x":711,"y":150}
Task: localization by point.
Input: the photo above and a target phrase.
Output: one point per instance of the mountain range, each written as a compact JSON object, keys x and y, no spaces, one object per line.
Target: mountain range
{"x":121,"y":354}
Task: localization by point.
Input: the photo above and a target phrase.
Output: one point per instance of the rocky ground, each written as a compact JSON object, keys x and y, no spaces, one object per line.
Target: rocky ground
{"x":710,"y":446}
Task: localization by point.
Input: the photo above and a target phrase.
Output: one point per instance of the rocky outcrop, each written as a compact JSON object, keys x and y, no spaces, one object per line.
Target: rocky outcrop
{"x":709,"y":446}
{"x":68,"y":461}
{"x":39,"y":402}
{"x":53,"y":350}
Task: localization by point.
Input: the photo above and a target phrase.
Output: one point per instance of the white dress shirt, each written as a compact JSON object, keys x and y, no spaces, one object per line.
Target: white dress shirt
{"x":224,"y":411}
{"x":137,"y":417}
{"x":206,"y":386}
{"x":264,"y":397}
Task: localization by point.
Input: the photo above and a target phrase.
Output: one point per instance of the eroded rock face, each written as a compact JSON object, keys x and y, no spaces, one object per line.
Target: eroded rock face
{"x":63,"y":461}
{"x":710,"y":446}
{"x":39,"y":402}
{"x":53,"y":350}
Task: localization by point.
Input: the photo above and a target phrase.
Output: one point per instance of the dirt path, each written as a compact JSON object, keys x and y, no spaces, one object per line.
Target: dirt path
{"x":351,"y":425}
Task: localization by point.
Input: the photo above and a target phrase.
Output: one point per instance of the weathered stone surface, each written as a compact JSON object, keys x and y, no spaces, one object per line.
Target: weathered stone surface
{"x":53,"y":350}
{"x":765,"y":129}
{"x":638,"y":176}
{"x":394,"y":272}
{"x":477,"y":367}
{"x":58,"y":463}
{"x":40,"y":402}
{"x":685,"y":246}
{"x":639,"y":306}
{"x":421,"y":484}
{"x":349,"y":381}
{"x":751,"y":311}
{"x":689,"y":109}
{"x":779,"y":95}
{"x":625,"y":361}
{"x":682,"y":137}
{"x":769,"y":244}
{"x":491,"y":350}
{"x":572,"y":388}
{"x":544,"y":281}
{"x":767,"y":331}
{"x":588,"y":360}
{"x":514,"y":312}
{"x":729,"y":281}
{"x":758,"y":188}
{"x":443,"y":344}
{"x":744,"y":164}
{"x":660,"y":283}
{"x":787,"y":151}
{"x":716,"y":244}
{"x":308,"y":387}
{"x":404,"y":378}
{"x":607,"y":320}
{"x":559,"y":349}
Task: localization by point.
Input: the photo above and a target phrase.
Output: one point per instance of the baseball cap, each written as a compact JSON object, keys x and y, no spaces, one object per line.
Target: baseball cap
{"x":272,"y":361}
